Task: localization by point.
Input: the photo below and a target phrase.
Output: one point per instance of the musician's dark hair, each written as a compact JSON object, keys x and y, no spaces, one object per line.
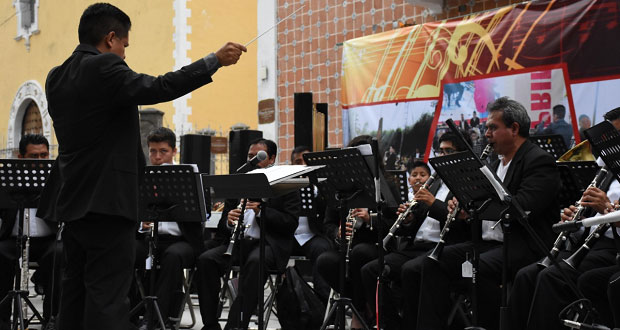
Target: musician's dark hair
{"x":360,"y":140}
{"x":272,"y":148}
{"x":612,"y":114}
{"x":98,"y":20}
{"x":419,"y":163}
{"x":162,"y":134}
{"x":456,"y":142}
{"x":297,"y":150}
{"x":512,"y":112}
{"x":34,"y":139}
{"x":559,"y":110}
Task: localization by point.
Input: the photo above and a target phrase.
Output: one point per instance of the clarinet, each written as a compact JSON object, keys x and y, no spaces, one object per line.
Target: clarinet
{"x":436,"y":253}
{"x":412,"y":204}
{"x":576,"y":258}
{"x":236,"y":233}
{"x":25,"y":256}
{"x":563,"y":236}
{"x":353,"y":221}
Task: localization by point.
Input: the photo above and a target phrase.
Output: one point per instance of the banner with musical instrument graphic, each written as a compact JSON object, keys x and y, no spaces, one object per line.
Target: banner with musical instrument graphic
{"x":539,"y":53}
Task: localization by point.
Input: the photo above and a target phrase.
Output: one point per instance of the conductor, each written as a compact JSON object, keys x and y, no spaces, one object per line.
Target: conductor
{"x":93,"y":187}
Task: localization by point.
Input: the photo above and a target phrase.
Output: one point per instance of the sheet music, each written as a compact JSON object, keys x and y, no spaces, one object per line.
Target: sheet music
{"x":278,"y":173}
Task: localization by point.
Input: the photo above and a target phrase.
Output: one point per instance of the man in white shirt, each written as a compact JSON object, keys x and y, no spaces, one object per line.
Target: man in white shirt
{"x":179,"y":243}
{"x":42,"y":236}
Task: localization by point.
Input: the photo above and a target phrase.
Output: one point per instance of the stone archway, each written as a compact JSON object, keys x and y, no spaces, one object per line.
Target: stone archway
{"x":28,"y":99}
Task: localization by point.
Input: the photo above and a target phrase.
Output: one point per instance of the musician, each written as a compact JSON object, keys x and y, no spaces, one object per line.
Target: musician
{"x":310,"y":238}
{"x":531,"y":177}
{"x":42,"y":237}
{"x":179,"y":243}
{"x":362,"y":249}
{"x":551,"y":291}
{"x":93,"y":186}
{"x":280,"y":216}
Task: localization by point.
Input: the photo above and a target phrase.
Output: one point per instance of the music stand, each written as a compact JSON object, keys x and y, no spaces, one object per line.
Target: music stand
{"x":21,"y":182}
{"x":349,"y":184}
{"x":397,"y":180}
{"x":261,"y":183}
{"x":168,"y":193}
{"x":605,"y":138}
{"x":575,"y":177}
{"x":552,"y":143}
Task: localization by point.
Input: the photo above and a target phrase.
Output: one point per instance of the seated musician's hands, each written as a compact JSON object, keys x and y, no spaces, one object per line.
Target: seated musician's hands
{"x":361,"y":214}
{"x":568,"y":213}
{"x":452,"y":204}
{"x":254,"y":206}
{"x":146,"y":225}
{"x":401,"y":209}
{"x":424,"y":196}
{"x":597,"y":200}
{"x":233,"y":216}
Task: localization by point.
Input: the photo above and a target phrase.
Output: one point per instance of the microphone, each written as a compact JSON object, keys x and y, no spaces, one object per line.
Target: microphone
{"x":251,"y":164}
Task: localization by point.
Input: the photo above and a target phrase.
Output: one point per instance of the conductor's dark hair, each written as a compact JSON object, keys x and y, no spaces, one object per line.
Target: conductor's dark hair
{"x":272,"y":148}
{"x":34,"y":139}
{"x":456,"y":142}
{"x":612,"y":114}
{"x":419,"y":163}
{"x":512,"y":112}
{"x":297,"y":150}
{"x":162,"y":134}
{"x":559,"y":110}
{"x":98,"y":20}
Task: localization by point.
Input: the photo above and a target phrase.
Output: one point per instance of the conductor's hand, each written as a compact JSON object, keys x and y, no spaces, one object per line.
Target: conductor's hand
{"x":424,"y":196}
{"x":596,"y":199}
{"x":233,"y":216}
{"x":230,"y":53}
{"x":568,"y":213}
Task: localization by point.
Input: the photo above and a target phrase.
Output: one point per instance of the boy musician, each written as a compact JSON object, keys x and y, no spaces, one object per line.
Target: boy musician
{"x":179,"y":243}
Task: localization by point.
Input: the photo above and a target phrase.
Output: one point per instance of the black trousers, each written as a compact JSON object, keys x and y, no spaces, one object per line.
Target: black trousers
{"x":42,"y":251}
{"x":99,"y":252}
{"x":396,"y":262}
{"x":212,"y":264}
{"x":328,"y":265}
{"x":595,"y":284}
{"x":613,"y":292}
{"x":312,"y":249}
{"x":522,"y":293}
{"x":174,"y":255}
{"x":552,"y":293}
{"x":440,"y":278}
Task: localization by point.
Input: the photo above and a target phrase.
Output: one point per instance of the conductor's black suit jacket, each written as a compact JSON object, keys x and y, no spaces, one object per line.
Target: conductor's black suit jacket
{"x":93,"y":99}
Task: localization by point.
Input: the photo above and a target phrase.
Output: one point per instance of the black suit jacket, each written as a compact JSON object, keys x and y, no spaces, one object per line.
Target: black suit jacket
{"x":93,"y":99}
{"x":533,"y":181}
{"x":280,"y":216}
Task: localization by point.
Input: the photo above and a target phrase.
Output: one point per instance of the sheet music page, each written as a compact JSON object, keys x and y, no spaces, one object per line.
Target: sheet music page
{"x":279,"y":172}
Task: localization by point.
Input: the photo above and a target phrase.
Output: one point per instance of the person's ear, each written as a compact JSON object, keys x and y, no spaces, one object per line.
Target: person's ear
{"x":109,"y":39}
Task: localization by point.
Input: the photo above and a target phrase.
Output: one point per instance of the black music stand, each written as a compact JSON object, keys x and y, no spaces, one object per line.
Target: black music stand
{"x":552,"y":143}
{"x":397,"y":180}
{"x":575,"y":176}
{"x":21,"y":182}
{"x":349,"y":184}
{"x":168,"y":193}
{"x":257,"y":184}
{"x":605,"y":140}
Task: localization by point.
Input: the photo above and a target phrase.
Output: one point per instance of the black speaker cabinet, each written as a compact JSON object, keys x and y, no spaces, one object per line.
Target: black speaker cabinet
{"x":238,"y":144}
{"x":196,"y":149}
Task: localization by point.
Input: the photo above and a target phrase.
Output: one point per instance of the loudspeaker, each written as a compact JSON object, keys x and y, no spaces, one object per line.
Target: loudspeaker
{"x":238,"y":144}
{"x":303,"y":119}
{"x":196,"y":149}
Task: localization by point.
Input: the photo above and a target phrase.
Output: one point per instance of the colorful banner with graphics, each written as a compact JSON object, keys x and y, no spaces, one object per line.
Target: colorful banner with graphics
{"x":542,"y":54}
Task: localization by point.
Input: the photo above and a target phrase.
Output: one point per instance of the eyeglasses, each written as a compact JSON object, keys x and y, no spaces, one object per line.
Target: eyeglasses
{"x":445,"y":151}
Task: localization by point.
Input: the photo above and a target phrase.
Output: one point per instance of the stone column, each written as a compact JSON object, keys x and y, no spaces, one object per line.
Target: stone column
{"x":150,"y":119}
